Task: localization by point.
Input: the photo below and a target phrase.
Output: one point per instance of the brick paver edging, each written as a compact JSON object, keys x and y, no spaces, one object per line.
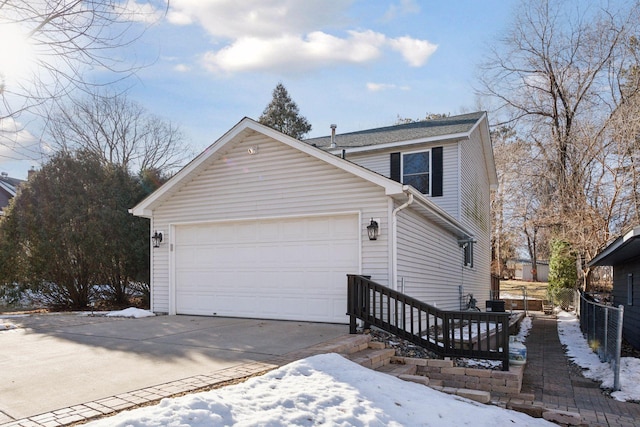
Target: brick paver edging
{"x":146,"y":396}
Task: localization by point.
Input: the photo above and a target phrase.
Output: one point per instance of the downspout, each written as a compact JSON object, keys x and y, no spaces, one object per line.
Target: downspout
{"x":394,"y":245}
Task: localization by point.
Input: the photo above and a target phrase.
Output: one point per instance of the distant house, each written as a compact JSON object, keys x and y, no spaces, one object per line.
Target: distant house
{"x":523,"y":270}
{"x":624,"y":255}
{"x":8,"y":189}
{"x":266,"y":226}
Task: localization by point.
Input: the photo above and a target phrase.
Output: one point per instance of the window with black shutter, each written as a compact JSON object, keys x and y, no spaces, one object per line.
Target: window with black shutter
{"x":420,"y":169}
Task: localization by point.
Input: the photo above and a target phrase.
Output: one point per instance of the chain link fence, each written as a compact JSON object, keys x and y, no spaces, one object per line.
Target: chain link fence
{"x":602,"y":326}
{"x":565,"y":298}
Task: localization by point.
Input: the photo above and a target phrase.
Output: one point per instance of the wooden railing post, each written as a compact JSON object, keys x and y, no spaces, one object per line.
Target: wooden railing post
{"x":446,"y":332}
{"x":351,"y":301}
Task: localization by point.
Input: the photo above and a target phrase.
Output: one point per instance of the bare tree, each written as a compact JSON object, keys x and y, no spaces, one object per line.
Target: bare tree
{"x":120,"y":132}
{"x":62,"y":40}
{"x":561,"y":77}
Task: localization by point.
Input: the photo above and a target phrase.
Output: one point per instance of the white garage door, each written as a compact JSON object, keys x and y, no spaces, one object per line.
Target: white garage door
{"x":292,"y":269}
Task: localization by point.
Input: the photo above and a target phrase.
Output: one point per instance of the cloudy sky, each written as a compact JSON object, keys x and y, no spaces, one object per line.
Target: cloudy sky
{"x":357,"y":63}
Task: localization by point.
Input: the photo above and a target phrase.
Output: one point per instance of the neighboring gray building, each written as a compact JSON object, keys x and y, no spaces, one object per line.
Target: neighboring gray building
{"x":624,"y":255}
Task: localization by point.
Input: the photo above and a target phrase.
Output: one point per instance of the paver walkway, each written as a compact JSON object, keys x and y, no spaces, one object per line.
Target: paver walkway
{"x":558,"y":384}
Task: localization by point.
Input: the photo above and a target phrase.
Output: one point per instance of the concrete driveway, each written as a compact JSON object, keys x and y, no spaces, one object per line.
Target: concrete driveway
{"x":54,"y":361}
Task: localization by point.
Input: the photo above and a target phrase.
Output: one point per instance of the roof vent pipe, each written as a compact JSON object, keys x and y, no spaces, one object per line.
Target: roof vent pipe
{"x":333,"y":136}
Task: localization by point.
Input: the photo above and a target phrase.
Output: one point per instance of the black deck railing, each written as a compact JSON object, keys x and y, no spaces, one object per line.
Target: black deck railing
{"x":471,"y":334}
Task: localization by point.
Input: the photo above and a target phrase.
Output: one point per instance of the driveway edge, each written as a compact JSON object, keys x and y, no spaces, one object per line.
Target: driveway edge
{"x":80,"y":414}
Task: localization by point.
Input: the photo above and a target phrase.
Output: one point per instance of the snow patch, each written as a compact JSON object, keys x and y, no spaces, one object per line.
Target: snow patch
{"x":130,"y":312}
{"x":321,"y":390}
{"x":579,"y":351}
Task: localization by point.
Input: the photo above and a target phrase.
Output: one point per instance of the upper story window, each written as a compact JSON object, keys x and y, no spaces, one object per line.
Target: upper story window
{"x":422,"y":170}
{"x":416,"y":170}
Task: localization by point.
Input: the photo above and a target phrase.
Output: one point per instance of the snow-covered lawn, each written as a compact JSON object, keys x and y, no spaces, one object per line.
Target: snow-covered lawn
{"x":321,"y":390}
{"x":578,"y":350}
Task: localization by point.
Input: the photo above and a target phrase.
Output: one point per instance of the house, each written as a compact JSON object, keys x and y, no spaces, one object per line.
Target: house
{"x":624,"y":255}
{"x":8,"y":189}
{"x":523,"y":270}
{"x":266,"y":226}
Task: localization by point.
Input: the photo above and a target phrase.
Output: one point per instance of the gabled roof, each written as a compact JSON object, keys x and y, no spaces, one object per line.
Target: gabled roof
{"x":392,"y":188}
{"x":453,"y":128}
{"x":449,"y":127}
{"x":625,"y":247}
{"x":236,"y":134}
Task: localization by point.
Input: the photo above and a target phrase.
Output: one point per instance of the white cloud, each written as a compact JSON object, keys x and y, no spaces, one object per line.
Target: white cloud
{"x":295,"y":53}
{"x":377,"y":87}
{"x":289,"y":35}
{"x":140,"y":12}
{"x":415,"y":52}
{"x":17,"y":143}
{"x":182,"y":68}
{"x":318,"y":49}
{"x":234,"y":19}
{"x":404,"y":7}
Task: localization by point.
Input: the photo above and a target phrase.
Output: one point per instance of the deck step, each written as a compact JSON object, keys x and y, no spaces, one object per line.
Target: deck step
{"x":372,"y":358}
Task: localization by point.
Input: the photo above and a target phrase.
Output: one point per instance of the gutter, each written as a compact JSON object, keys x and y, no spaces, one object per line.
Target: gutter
{"x":394,"y":245}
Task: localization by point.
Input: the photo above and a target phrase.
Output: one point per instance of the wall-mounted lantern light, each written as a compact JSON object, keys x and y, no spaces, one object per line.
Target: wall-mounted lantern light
{"x":373,"y":230}
{"x":156,"y":239}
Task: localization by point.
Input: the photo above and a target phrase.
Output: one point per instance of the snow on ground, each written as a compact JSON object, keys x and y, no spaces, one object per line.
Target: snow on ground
{"x":579,"y":351}
{"x":5,"y":326}
{"x":321,"y":390}
{"x":130,"y":312}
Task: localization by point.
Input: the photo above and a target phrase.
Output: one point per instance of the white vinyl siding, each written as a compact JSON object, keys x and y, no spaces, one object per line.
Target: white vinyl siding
{"x":379,"y":162}
{"x":475,"y":213}
{"x":429,"y":261}
{"x":277,"y":182}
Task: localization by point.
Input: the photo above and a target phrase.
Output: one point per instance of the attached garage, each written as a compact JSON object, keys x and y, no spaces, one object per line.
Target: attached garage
{"x":290,"y":268}
{"x":262,"y":225}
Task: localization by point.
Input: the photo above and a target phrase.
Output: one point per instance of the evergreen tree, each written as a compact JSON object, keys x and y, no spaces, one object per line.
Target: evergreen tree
{"x":282,"y":115}
{"x":563,"y":272}
{"x":69,"y":236}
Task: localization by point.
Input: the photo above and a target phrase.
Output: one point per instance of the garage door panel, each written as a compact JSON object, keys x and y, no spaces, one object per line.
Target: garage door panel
{"x":293,"y":268}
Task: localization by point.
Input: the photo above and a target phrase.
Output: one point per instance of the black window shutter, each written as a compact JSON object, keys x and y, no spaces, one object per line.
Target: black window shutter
{"x":395,"y":167}
{"x":436,"y":177}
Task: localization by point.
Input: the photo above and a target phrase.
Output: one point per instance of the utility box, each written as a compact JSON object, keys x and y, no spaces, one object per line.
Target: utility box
{"x":495,"y":306}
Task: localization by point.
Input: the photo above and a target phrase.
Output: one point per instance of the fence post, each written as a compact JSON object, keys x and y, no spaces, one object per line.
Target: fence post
{"x":505,"y":343}
{"x":606,"y":333}
{"x":616,"y":368}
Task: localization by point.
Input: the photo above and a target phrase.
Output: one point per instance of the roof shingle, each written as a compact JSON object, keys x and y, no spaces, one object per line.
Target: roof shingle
{"x":405,"y":132}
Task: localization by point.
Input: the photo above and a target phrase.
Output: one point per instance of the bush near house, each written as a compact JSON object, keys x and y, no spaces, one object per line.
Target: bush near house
{"x":68,"y":236}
